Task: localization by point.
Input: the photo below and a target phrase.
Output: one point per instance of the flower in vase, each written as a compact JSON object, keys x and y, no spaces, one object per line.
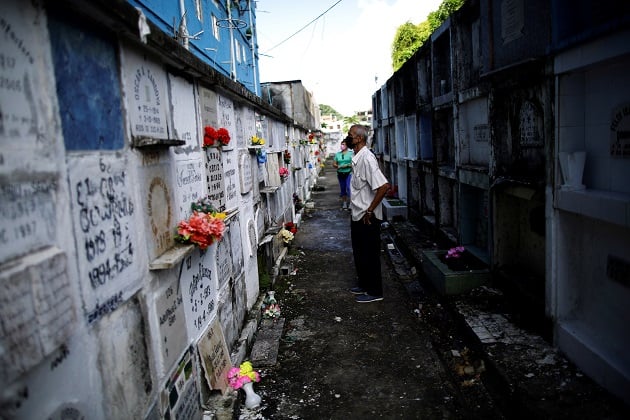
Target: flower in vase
{"x":284,"y":172}
{"x":238,"y":376}
{"x":272,"y":311}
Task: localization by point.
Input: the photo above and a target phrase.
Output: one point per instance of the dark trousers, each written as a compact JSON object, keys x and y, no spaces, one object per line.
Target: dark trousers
{"x":366,"y":247}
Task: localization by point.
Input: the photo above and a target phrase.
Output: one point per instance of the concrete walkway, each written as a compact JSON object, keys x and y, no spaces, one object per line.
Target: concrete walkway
{"x":414,"y":355}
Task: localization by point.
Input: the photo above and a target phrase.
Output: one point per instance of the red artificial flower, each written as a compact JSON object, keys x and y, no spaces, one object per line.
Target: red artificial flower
{"x":290,"y":226}
{"x":210,"y":136}
{"x":223,"y":135}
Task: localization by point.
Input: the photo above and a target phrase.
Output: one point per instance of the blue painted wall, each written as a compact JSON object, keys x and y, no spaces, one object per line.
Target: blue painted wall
{"x":167,"y":15}
{"x":88,"y":87}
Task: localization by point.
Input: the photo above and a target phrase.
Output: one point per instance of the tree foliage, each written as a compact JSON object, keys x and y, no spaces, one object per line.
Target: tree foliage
{"x":348,"y":121}
{"x":409,"y":37}
{"x":329,"y":110}
{"x":406,"y":41}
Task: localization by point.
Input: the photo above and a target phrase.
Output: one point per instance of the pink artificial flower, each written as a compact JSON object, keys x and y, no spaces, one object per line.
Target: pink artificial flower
{"x":216,"y":227}
{"x":201,"y":229}
{"x":455,"y":252}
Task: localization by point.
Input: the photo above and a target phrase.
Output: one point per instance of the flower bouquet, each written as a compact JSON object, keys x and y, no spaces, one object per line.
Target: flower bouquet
{"x":239,"y":376}
{"x":284,"y":173}
{"x":455,"y":252}
{"x":286,"y":236}
{"x":212,"y":136}
{"x":201,"y":229}
{"x":257,"y":141}
{"x":224,"y":136}
{"x":272,"y":311}
{"x":243,"y":378}
{"x":458,"y":259}
{"x":291,"y":227}
{"x":287,"y":156}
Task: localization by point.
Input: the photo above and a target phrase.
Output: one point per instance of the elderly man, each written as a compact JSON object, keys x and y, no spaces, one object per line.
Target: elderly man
{"x":368,"y":187}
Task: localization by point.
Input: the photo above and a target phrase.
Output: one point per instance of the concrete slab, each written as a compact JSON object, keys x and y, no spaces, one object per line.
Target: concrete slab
{"x":265,"y":349}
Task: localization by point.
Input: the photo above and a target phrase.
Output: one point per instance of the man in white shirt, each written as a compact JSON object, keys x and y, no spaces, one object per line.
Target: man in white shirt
{"x":368,"y":187}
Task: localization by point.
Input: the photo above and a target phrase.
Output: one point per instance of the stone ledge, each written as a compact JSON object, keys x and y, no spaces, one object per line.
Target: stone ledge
{"x":265,"y":350}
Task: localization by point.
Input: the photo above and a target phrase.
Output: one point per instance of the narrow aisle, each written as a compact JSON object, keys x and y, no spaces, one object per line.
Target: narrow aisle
{"x":339,"y":359}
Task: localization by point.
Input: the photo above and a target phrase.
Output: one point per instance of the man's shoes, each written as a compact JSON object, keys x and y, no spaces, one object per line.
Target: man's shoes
{"x":368,"y":298}
{"x":357,"y":291}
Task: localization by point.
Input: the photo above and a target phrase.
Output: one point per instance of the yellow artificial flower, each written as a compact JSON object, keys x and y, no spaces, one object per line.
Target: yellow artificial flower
{"x":258,"y":140}
{"x":248,"y":370}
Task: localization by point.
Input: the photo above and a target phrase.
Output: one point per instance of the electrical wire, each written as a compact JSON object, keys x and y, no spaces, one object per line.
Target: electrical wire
{"x":304,"y":27}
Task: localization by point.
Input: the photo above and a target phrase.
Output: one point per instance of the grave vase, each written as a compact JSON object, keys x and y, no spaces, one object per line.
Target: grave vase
{"x":252,"y":400}
{"x":572,"y":168}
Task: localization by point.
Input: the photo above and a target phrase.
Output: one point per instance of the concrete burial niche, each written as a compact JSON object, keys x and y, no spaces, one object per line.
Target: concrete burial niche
{"x":452,"y":281}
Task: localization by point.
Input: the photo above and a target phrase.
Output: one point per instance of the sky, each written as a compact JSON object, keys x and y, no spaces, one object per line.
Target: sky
{"x":344,"y":56}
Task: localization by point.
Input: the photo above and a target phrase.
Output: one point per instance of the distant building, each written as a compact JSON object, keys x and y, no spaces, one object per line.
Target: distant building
{"x":294,"y":100}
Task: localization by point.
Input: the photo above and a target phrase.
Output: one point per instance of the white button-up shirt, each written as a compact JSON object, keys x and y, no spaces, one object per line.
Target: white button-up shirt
{"x":366,"y":178}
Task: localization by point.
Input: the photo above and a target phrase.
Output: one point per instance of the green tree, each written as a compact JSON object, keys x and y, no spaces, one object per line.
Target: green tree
{"x":409,"y":37}
{"x":329,"y":110}
{"x":446,"y":8}
{"x":406,"y":41}
{"x":351,"y":120}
